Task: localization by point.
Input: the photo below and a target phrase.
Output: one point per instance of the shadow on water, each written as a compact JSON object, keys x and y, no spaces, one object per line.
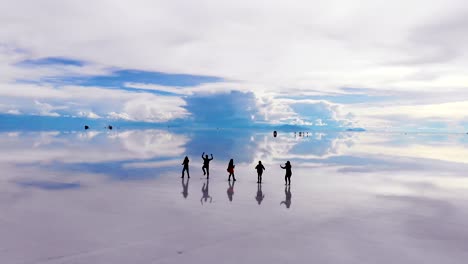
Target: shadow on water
{"x":205,"y":193}
{"x":260,"y":194}
{"x":287,"y":192}
{"x":230,"y":190}
{"x":185,"y":186}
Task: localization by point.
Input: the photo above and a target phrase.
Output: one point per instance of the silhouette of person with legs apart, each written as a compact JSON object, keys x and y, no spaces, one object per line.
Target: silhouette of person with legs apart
{"x":260,"y":194}
{"x":186,"y":168}
{"x":205,"y":193}
{"x":185,"y":188}
{"x":230,"y":169}
{"x":260,"y":168}
{"x":287,"y":177}
{"x":230,"y":191}
{"x":206,"y":164}
{"x":287,"y":192}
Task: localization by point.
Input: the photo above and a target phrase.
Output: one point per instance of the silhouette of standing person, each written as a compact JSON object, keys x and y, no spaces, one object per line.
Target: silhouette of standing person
{"x":287,"y":192}
{"x":186,"y":168}
{"x":260,"y":170}
{"x":260,"y":194}
{"x":185,"y":188}
{"x":206,"y":164}
{"x":205,"y":193}
{"x":287,"y":177}
{"x":230,"y":169}
{"x":230,"y":191}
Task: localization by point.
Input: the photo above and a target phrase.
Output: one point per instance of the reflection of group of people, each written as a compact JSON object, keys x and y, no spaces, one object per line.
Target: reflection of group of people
{"x":230,"y":169}
{"x":230,"y":193}
{"x":260,"y":168}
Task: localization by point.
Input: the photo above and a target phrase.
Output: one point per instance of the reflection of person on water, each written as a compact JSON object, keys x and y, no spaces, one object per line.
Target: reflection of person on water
{"x":287,"y":192}
{"x":230,"y":191}
{"x":206,"y":164}
{"x":186,"y":168}
{"x":185,"y":188}
{"x":287,"y":167}
{"x":205,"y":194}
{"x":230,"y":169}
{"x":260,"y":194}
{"x":260,"y":168}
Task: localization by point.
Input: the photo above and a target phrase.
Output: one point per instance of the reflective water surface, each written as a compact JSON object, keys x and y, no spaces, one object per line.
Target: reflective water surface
{"x":118,"y":197}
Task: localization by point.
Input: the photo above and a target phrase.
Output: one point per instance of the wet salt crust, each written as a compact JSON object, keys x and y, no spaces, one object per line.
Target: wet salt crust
{"x":117,"y":197}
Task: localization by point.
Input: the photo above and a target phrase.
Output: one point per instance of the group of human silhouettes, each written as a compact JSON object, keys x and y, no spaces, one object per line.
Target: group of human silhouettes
{"x":230,"y":169}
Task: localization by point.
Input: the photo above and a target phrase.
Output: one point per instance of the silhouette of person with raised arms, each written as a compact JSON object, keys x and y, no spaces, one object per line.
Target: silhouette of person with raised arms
{"x":287,"y":192}
{"x":230,"y":169}
{"x":185,"y":188}
{"x":206,"y":164}
{"x":205,"y":193}
{"x":260,"y":168}
{"x":260,"y":194}
{"x":230,"y":191}
{"x":287,"y":177}
{"x":186,"y":168}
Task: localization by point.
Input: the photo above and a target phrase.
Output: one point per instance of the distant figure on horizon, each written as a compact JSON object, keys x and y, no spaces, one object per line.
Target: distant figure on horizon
{"x":260,"y":170}
{"x":230,"y":191}
{"x":186,"y":168}
{"x":287,"y":192}
{"x":205,"y":192}
{"x":230,"y":169}
{"x":260,"y":194}
{"x":206,"y":164}
{"x":287,"y":177}
{"x":185,"y":188}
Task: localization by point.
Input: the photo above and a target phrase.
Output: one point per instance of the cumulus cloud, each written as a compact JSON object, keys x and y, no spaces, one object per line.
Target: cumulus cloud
{"x":223,"y":109}
{"x":13,"y":112}
{"x":88,"y":115}
{"x":91,"y":102}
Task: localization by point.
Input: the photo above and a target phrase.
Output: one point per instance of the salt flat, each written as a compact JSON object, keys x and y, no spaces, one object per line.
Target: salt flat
{"x":117,"y":197}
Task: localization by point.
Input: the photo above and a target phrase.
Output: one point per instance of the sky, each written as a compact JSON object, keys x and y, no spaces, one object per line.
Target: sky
{"x":380,"y":65}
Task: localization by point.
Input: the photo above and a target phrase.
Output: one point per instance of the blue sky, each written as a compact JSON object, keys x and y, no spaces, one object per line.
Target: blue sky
{"x":309,"y":63}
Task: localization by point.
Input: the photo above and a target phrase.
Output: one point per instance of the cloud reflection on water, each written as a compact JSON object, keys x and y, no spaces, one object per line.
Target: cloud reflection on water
{"x":355,"y":193}
{"x":141,"y":151}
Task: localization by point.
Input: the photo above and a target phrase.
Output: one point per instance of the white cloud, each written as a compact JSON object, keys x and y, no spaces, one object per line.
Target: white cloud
{"x":296,"y":48}
{"x":92,"y":102}
{"x":14,"y":112}
{"x":156,"y":109}
{"x":324,"y":44}
{"x":88,"y":115}
{"x":46,"y":109}
{"x":319,"y":122}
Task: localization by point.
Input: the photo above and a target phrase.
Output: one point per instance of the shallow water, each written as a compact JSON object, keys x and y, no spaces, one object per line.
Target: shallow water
{"x":117,"y":197}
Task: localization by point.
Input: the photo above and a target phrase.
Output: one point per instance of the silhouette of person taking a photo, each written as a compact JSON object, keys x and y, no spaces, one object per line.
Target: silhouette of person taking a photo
{"x":206,"y":164}
{"x":287,"y":177}
{"x":186,"y":167}
{"x":205,"y":193}
{"x":230,"y":169}
{"x":230,"y":191}
{"x":260,"y":168}
{"x":260,"y":194}
{"x":287,"y":192}
{"x":185,"y":188}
